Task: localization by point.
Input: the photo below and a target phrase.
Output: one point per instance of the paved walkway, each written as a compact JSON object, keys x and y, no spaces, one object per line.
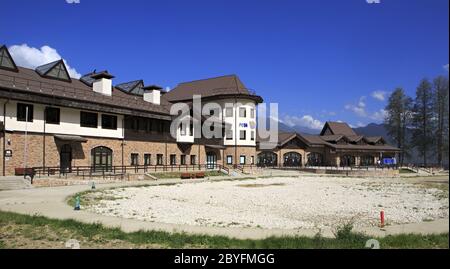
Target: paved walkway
{"x":51,"y":202}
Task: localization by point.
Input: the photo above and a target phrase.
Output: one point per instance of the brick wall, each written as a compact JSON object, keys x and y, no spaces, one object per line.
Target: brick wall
{"x":81,"y":152}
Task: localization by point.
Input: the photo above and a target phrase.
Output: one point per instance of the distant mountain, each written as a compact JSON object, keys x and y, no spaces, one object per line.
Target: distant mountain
{"x":374,"y":129}
{"x":299,"y":129}
{"x":284,"y":128}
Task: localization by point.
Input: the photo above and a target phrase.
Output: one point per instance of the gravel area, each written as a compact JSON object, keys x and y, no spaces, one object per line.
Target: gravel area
{"x":285,"y":203}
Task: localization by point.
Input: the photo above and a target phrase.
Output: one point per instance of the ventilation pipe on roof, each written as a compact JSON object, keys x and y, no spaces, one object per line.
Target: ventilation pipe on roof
{"x":102,"y":83}
{"x":152,"y":94}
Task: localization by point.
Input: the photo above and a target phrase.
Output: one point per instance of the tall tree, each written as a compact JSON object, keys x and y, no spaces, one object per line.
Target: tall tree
{"x":423,"y":120}
{"x":398,"y":117}
{"x":441,"y":111}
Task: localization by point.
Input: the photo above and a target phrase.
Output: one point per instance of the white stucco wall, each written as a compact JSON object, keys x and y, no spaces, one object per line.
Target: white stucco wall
{"x":239,"y":123}
{"x":69,"y":122}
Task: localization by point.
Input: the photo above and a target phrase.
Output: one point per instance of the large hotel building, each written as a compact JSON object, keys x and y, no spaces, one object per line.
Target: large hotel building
{"x":48,"y":119}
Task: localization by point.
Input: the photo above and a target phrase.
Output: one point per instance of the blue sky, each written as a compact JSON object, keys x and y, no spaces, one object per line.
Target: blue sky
{"x":319,"y":59}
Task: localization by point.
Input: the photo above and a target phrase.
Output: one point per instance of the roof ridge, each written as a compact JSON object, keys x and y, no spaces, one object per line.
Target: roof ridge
{"x":205,"y":79}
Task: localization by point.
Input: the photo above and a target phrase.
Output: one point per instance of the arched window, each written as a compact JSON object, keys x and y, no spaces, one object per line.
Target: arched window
{"x":292,"y":159}
{"x":267,"y":158}
{"x":315,"y":159}
{"x":101,"y":158}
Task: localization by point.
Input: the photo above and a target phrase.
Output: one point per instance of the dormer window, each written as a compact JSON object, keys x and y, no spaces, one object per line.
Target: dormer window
{"x":6,"y":61}
{"x":54,"y":70}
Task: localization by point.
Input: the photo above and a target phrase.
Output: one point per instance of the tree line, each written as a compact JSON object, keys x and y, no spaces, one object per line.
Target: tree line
{"x":421,"y":123}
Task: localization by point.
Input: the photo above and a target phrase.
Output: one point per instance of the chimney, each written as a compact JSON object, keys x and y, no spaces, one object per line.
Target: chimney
{"x":102,"y":83}
{"x":152,"y":94}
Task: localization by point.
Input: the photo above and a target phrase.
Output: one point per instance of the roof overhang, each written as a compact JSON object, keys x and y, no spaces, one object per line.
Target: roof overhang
{"x":71,"y":138}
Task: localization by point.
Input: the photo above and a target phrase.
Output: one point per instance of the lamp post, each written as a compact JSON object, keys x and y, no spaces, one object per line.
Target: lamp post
{"x":25,"y":144}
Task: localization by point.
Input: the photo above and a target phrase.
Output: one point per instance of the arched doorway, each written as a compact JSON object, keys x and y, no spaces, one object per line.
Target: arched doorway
{"x":267,"y":158}
{"x":348,"y":160}
{"x":65,"y":158}
{"x":101,"y":159}
{"x":211,"y":160}
{"x":292,"y":159}
{"x":315,"y":159}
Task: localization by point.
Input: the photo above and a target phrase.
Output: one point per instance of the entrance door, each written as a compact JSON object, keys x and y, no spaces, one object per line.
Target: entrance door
{"x":65,"y":158}
{"x":292,"y":159}
{"x":211,"y":160}
{"x":101,"y":159}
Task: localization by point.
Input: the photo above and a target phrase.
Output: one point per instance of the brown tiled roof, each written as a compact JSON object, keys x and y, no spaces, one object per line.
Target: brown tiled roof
{"x":314,"y":139}
{"x":339,"y":128}
{"x":323,"y":141}
{"x":29,"y":82}
{"x":219,"y":86}
{"x":332,"y":138}
{"x":355,"y":138}
{"x":365,"y":147}
{"x":373,"y":139}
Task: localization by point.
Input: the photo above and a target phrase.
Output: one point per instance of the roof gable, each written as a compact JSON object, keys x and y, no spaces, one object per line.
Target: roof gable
{"x":292,"y":138}
{"x":55,"y":70}
{"x":6,"y":61}
{"x":208,"y":87}
{"x":136,"y":87}
{"x":337,"y":128}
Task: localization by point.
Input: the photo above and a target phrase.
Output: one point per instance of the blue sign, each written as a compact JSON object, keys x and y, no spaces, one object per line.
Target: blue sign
{"x":389,"y":161}
{"x":243,"y":125}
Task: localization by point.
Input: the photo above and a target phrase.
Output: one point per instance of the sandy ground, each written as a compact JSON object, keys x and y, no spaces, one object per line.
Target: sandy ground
{"x":281,"y":203}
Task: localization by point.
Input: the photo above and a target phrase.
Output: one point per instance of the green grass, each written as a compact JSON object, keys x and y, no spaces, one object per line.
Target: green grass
{"x":406,"y":171}
{"x":345,"y":238}
{"x":167,"y":175}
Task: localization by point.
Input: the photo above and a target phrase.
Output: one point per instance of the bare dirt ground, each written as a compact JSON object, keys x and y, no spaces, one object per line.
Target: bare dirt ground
{"x":281,"y":202}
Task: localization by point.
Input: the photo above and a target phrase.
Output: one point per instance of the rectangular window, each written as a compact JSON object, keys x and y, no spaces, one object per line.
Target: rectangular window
{"x":243,"y":135}
{"x":229,"y":134}
{"x":147,"y":159}
{"x":252,"y":113}
{"x":149,"y":125}
{"x":159,"y":159}
{"x":191,"y":129}
{"x":173,"y":159}
{"x":22,"y":110}
{"x":132,"y":123}
{"x":193,"y":159}
{"x":160,"y":127}
{"x":252,"y":159}
{"x":229,"y":112}
{"x":183,"y":159}
{"x":252,"y":135}
{"x":109,"y":122}
{"x":242,"y":112}
{"x":242,"y":159}
{"x":134,"y":159}
{"x":88,"y":119}
{"x":52,"y":115}
{"x":182,"y":129}
{"x":229,"y":159}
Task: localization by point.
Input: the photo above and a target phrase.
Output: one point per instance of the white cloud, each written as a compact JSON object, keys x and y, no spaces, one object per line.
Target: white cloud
{"x":379,"y":95}
{"x":31,"y":57}
{"x":305,"y":121}
{"x":446,"y":67}
{"x":379,"y":115}
{"x":360,"y":108}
